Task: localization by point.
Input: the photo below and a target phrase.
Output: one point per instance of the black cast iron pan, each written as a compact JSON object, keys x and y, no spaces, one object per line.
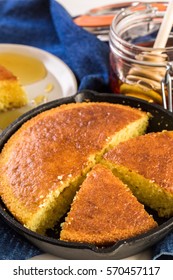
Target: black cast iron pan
{"x":162,"y":119}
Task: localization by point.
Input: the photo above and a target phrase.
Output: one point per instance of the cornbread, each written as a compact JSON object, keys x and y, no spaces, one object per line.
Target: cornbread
{"x":105,"y":211}
{"x":45,"y":161}
{"x":145,"y":164}
{"x":12,"y":94}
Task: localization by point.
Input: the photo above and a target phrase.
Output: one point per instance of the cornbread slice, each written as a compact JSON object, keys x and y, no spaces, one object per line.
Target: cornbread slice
{"x":145,"y":164}
{"x":12,"y":94}
{"x":45,"y":161}
{"x":104,"y":211}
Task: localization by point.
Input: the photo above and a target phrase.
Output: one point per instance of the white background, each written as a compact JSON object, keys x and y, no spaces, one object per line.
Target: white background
{"x":76,"y":7}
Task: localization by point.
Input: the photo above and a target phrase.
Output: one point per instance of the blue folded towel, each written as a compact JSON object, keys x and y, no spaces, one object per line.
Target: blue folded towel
{"x":47,"y":25}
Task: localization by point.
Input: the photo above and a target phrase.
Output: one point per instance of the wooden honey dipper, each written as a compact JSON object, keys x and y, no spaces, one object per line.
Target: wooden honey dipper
{"x":149,"y":80}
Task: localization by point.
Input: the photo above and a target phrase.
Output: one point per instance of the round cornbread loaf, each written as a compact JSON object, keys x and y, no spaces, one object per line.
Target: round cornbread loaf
{"x":45,"y":161}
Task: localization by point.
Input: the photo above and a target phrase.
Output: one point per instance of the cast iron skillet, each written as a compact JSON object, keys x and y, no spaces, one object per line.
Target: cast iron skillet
{"x":161,"y":120}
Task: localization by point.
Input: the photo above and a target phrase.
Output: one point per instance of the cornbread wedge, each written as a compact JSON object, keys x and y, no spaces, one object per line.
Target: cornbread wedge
{"x":145,"y":164}
{"x":12,"y":94}
{"x":105,"y":211}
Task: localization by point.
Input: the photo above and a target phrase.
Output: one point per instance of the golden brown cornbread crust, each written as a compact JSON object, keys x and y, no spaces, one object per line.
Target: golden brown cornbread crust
{"x":104,"y":211}
{"x":149,"y":156}
{"x":55,"y":148}
{"x":5,"y":74}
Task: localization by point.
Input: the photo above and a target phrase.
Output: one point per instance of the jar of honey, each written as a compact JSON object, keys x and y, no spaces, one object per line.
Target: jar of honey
{"x":136,"y":68}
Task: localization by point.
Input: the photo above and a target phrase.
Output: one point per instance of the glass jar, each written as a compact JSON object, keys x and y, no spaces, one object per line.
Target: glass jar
{"x":136,"y":68}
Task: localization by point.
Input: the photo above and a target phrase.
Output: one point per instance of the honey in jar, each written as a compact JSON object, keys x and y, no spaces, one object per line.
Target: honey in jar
{"x":136,"y":68}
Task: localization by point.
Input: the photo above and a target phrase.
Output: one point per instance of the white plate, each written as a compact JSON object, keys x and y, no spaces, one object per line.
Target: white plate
{"x":59,"y":75}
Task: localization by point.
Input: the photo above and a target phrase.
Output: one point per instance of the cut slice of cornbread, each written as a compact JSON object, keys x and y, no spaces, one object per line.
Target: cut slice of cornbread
{"x":104,"y":211}
{"x":12,"y":94}
{"x":45,"y":161}
{"x":145,"y":164}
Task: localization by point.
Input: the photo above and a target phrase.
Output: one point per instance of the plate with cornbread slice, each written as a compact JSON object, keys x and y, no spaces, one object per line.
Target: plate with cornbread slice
{"x":63,"y":185}
{"x":30,"y":77}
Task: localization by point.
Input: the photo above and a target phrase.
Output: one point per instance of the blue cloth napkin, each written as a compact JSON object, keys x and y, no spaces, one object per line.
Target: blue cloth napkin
{"x":47,"y":25}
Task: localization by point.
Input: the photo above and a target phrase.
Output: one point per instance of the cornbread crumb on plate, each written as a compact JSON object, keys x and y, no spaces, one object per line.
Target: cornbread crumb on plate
{"x":145,"y":164}
{"x":105,"y":211}
{"x":45,"y":161}
{"x":12,"y":94}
